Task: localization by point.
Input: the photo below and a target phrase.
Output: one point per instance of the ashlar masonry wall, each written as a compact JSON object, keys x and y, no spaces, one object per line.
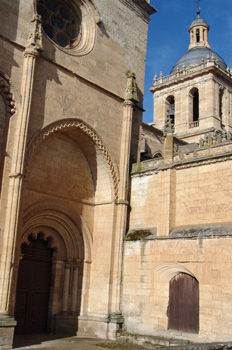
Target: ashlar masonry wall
{"x":150,"y":265}
{"x":186,"y":207}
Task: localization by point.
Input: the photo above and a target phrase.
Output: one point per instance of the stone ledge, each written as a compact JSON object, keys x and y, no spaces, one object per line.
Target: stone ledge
{"x":202,"y":231}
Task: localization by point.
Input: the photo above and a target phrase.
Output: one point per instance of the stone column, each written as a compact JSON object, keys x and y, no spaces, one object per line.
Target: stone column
{"x":33,"y":48}
{"x":115,"y":317}
{"x":75,"y":288}
{"x":201,"y":34}
{"x":66,"y":288}
{"x":16,"y":177}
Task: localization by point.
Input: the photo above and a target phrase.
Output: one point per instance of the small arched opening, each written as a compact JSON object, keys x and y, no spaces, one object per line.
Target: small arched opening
{"x":198,"y":35}
{"x":183,"y":307}
{"x":221,"y":106}
{"x":170,"y":102}
{"x":157,"y":155}
{"x":194,"y":108}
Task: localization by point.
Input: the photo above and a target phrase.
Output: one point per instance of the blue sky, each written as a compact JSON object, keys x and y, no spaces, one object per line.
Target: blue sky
{"x":168,"y":37}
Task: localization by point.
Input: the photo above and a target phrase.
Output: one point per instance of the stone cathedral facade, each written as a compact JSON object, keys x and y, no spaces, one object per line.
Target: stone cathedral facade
{"x":107,"y":224}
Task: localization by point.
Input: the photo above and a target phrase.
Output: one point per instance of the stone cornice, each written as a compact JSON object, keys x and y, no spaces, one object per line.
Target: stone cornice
{"x":145,"y":5}
{"x":149,"y":168}
{"x":146,"y":8}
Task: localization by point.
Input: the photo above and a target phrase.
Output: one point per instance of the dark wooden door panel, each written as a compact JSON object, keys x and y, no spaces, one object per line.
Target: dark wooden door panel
{"x":33,"y":288}
{"x":183,"y":309}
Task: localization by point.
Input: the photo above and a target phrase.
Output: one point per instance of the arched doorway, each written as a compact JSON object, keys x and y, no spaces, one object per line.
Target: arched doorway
{"x":183,"y":308}
{"x":33,"y":287}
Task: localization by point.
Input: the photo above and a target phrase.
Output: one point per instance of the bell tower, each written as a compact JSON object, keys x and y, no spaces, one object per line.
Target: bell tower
{"x":197,"y":94}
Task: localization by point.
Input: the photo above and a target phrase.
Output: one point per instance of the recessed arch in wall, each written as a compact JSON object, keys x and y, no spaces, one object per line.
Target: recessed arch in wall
{"x":67,"y":126}
{"x":176,"y":282}
{"x":71,"y":241}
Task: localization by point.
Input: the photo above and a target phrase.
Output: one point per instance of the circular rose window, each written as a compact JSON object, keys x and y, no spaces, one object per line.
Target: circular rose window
{"x":62,"y":21}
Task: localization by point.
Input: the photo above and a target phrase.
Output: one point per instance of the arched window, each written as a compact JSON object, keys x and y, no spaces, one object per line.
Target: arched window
{"x":221,"y":95}
{"x":183,"y":308}
{"x":171,"y":108}
{"x":197,"y":35}
{"x":194,"y":108}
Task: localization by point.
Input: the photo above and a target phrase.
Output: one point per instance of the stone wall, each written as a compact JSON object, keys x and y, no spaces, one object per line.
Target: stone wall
{"x":149,"y":265}
{"x":64,"y":165}
{"x":180,"y":222}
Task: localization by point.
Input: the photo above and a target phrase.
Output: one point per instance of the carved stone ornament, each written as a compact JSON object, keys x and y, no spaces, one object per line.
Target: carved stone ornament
{"x":131,"y":88}
{"x":7,"y":95}
{"x":168,"y":127}
{"x":34,"y":41}
{"x":216,"y":138}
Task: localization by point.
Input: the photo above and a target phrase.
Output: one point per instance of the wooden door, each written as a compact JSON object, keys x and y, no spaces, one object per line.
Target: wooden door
{"x":33,"y":288}
{"x":183,"y":309}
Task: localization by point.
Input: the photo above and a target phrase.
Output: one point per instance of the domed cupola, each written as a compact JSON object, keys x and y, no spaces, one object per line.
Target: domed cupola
{"x":199,"y":33}
{"x":199,"y":49}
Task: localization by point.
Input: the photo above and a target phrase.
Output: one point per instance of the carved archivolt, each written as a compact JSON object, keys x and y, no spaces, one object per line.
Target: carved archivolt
{"x":65,"y":230}
{"x":63,"y":124}
{"x":7,"y":95}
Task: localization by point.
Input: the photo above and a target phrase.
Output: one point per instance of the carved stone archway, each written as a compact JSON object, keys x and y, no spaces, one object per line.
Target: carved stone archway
{"x":65,"y":237}
{"x":87,"y":130}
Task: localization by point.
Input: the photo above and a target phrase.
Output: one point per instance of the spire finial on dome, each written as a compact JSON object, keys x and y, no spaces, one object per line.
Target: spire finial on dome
{"x":198,"y":7}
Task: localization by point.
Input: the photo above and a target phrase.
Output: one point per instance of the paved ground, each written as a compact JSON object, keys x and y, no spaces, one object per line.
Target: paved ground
{"x":49,"y":342}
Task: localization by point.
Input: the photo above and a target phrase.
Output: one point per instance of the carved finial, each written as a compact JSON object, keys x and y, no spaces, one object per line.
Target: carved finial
{"x":131,"y":88}
{"x":168,"y":127}
{"x":34,"y":41}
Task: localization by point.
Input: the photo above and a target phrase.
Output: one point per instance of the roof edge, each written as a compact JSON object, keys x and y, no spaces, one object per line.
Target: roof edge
{"x":145,"y":5}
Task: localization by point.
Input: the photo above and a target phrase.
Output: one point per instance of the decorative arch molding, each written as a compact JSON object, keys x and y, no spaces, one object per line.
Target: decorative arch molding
{"x":87,"y":130}
{"x":169,"y":270}
{"x":71,"y":237}
{"x":157,"y":154}
{"x":5,"y":91}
